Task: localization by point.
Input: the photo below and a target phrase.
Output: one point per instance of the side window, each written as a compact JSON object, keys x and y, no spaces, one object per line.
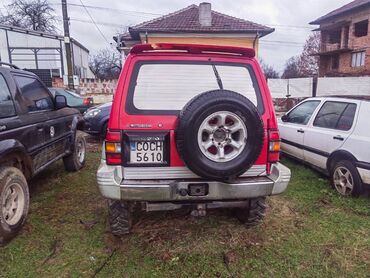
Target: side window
{"x":336,"y":115}
{"x":346,"y":120}
{"x":302,"y":113}
{"x":34,"y":93}
{"x":6,"y":102}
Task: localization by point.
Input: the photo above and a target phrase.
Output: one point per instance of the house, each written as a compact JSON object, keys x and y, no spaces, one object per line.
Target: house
{"x":345,"y":40}
{"x":42,"y":52}
{"x":195,"y":24}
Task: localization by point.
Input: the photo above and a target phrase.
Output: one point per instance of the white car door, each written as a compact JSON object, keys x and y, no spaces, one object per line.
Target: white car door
{"x":330,"y":128}
{"x":292,"y":127}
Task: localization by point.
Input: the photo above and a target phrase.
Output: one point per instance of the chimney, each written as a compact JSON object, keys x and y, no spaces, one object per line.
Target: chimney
{"x":205,"y":14}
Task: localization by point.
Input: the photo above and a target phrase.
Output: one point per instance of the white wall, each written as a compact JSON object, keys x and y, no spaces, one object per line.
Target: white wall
{"x":81,"y":60}
{"x":343,"y":86}
{"x":17,"y":39}
{"x":4,"y":55}
{"x":298,"y":87}
{"x":24,"y":40}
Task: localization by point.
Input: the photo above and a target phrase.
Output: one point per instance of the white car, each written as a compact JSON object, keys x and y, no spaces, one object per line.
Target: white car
{"x":332,"y":134}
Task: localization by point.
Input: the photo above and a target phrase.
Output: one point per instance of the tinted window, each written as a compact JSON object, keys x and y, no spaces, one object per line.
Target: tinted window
{"x":169,"y":86}
{"x":6,"y":102}
{"x":302,"y":113}
{"x":336,"y":115}
{"x":34,"y":94}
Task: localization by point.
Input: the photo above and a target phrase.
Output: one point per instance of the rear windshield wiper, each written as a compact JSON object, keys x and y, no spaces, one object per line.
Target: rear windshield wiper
{"x":218,"y":78}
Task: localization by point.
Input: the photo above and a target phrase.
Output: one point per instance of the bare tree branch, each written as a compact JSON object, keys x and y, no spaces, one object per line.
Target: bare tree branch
{"x":106,"y":64}
{"x":37,"y":15}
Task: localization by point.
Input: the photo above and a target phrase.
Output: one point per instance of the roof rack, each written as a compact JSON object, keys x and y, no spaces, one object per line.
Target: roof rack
{"x":194,"y":49}
{"x":9,"y":65}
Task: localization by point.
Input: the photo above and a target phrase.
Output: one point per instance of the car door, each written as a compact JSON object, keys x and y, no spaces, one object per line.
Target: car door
{"x":293,"y":127}
{"x":33,"y":116}
{"x":8,"y":118}
{"x":58,"y":125}
{"x":329,"y":130}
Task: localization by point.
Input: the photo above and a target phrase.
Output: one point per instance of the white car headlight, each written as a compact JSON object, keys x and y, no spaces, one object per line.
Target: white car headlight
{"x":92,"y":113}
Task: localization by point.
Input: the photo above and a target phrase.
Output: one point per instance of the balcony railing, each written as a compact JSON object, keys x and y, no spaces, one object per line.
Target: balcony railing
{"x":329,"y":47}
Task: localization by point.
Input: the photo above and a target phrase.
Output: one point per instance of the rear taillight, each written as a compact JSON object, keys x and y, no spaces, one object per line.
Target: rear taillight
{"x":87,"y":101}
{"x":274,"y":146}
{"x":113,"y":152}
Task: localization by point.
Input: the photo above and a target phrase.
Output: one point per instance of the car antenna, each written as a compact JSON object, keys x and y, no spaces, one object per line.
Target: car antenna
{"x":219,"y":81}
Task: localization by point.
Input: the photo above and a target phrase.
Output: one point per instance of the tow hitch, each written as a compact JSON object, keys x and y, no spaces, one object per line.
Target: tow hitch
{"x":201,"y":210}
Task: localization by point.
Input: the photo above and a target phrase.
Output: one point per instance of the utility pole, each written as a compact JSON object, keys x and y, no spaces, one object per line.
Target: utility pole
{"x":67,"y":44}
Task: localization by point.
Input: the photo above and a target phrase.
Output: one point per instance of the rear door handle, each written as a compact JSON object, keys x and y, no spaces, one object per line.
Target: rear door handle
{"x":300,"y":130}
{"x":40,"y":127}
{"x":338,"y":137}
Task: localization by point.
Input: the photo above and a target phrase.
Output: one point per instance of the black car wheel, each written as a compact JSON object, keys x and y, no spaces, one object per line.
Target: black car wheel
{"x":76,"y":160}
{"x":219,"y":134}
{"x":14,"y":202}
{"x":254,"y":213}
{"x":120,"y":217}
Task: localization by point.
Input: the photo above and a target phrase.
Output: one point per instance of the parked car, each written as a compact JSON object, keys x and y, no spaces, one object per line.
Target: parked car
{"x":96,"y":119}
{"x":74,"y":100}
{"x":36,"y":129}
{"x":191,"y":125}
{"x":332,"y":134}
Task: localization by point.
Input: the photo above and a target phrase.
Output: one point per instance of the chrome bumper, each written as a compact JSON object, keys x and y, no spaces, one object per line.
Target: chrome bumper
{"x":113,"y":186}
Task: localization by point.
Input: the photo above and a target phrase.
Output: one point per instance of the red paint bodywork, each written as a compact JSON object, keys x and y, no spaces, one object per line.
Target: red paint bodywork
{"x":120,"y":120}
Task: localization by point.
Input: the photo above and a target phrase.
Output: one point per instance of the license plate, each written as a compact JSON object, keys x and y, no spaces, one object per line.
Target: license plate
{"x":146,"y":152}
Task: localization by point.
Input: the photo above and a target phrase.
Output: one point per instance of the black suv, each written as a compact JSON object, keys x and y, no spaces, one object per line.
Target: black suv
{"x":35,"y":131}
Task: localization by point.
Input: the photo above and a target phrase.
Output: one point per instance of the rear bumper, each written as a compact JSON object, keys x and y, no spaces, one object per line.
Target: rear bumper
{"x":113,"y":186}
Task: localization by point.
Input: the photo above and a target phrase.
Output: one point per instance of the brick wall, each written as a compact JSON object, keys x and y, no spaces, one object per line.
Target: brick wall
{"x":96,"y":87}
{"x":354,"y":43}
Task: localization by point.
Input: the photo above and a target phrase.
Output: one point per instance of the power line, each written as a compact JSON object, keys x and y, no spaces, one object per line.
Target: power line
{"x":97,"y":27}
{"x":111,"y":9}
{"x":156,"y":14}
{"x":98,"y":22}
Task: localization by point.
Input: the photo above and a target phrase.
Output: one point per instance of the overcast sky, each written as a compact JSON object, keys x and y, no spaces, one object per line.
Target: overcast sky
{"x":289,"y":17}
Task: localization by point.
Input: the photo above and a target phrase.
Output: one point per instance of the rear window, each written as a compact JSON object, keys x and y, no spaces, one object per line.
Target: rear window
{"x":165,"y":87}
{"x":336,"y":115}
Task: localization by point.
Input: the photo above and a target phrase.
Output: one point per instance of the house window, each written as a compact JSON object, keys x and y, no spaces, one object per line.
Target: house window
{"x":358,"y":59}
{"x":334,"y":63}
{"x":361,"y":28}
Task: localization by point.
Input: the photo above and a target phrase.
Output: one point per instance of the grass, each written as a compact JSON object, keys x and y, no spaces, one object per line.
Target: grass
{"x":309,"y":231}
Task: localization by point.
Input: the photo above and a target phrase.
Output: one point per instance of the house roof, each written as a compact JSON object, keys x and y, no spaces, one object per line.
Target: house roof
{"x":354,"y":5}
{"x":40,"y":34}
{"x":187,"y":21}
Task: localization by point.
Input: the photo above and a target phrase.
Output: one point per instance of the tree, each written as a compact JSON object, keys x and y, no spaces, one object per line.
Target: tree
{"x":37,"y":15}
{"x":106,"y":64}
{"x":307,"y":63}
{"x":309,"y":60}
{"x":268,"y":70}
{"x":292,"y":68}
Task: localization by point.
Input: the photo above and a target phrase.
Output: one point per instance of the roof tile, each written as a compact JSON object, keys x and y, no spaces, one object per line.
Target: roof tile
{"x":346,"y":8}
{"x":187,"y":20}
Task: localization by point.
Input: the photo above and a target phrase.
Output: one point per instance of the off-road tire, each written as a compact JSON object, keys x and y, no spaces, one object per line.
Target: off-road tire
{"x":120,"y":217}
{"x":358,"y":187}
{"x":72,"y":162}
{"x":9,"y":176}
{"x":254,"y":213}
{"x":190,"y":120}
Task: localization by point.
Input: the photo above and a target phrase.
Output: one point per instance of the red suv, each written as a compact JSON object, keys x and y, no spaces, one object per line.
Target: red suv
{"x":191,"y":125}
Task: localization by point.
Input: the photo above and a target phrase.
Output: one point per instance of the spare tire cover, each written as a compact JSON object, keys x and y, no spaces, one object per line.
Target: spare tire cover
{"x":219,"y":134}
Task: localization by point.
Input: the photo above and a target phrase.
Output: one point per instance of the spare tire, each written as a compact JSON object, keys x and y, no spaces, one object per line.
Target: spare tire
{"x":219,"y":134}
